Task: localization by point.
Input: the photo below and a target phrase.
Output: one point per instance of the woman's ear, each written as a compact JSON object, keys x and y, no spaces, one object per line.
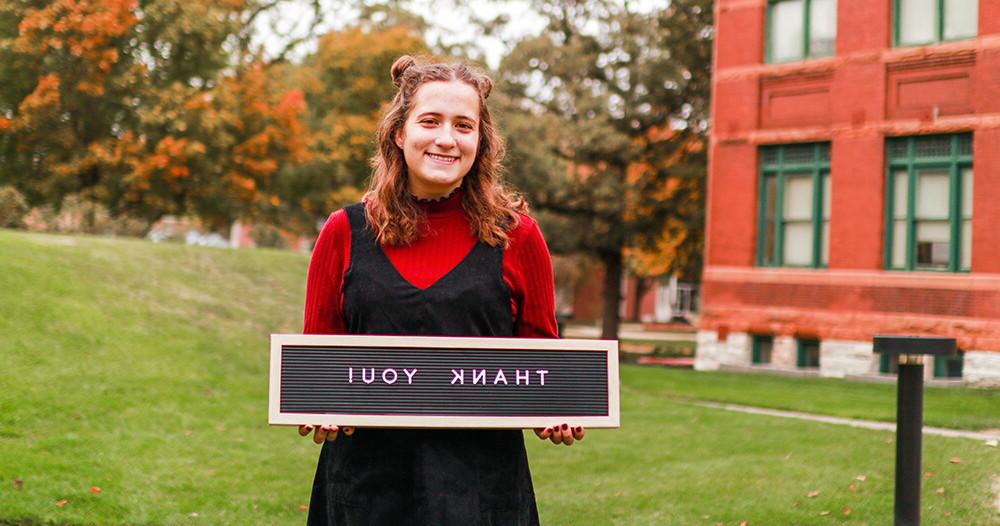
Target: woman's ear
{"x":398,"y":139}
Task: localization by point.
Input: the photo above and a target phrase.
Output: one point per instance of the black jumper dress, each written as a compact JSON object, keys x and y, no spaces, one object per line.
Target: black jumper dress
{"x":429,"y":477}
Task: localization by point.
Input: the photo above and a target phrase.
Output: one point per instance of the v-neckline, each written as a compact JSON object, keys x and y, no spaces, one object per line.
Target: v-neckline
{"x":385,"y":260}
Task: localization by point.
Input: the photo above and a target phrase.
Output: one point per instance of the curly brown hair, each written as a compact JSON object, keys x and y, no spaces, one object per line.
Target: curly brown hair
{"x":393,"y":213}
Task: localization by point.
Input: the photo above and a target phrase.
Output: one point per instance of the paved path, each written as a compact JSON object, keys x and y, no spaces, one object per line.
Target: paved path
{"x":628,"y":332}
{"x":990,"y":437}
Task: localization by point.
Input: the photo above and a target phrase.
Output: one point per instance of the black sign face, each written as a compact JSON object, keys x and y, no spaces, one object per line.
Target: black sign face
{"x":443,"y":382}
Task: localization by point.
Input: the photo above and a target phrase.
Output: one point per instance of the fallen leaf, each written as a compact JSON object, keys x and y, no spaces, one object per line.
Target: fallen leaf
{"x":812,"y":493}
{"x":928,"y":474}
{"x":846,"y":511}
{"x":860,"y":478}
{"x":852,"y":488}
{"x":939,"y":491}
{"x":303,"y":507}
{"x":18,"y":483}
{"x":824,"y":513}
{"x":954,"y":460}
{"x":95,"y":490}
{"x":62,"y":503}
{"x":744,"y":523}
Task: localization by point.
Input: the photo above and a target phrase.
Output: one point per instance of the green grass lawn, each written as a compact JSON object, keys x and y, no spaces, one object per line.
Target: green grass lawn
{"x":141,"y":369}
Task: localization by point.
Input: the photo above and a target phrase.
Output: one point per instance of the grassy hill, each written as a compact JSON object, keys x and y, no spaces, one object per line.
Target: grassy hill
{"x":133,"y":388}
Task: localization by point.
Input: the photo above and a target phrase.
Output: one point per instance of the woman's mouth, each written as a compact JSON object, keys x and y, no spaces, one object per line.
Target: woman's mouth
{"x":447,"y":159}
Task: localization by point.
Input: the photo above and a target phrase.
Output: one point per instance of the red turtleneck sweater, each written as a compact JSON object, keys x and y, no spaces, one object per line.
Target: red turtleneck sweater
{"x":527,"y":268}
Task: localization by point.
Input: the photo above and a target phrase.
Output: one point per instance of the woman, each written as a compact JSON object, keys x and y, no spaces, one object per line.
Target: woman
{"x":438,"y":248}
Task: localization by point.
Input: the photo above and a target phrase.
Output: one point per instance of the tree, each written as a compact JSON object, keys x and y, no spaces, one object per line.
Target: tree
{"x":346,"y":87}
{"x":606,"y":112}
{"x":146,"y":107}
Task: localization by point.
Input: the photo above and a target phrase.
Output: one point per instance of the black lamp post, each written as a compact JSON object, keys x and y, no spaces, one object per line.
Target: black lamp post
{"x":909,"y":351}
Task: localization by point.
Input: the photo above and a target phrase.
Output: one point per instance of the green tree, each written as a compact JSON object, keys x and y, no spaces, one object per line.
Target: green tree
{"x":606,"y":114}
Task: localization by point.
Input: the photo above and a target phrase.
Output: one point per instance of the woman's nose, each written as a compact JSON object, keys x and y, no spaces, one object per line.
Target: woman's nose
{"x":446,"y":138}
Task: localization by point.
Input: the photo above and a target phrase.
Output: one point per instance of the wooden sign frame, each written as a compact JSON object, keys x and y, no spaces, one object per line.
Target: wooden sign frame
{"x":322,"y":359}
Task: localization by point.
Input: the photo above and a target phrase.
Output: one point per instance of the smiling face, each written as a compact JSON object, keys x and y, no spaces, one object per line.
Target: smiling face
{"x":440,"y":137}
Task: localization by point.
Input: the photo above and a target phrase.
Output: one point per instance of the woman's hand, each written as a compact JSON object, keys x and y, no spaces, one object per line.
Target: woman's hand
{"x":328,"y":433}
{"x":562,"y":434}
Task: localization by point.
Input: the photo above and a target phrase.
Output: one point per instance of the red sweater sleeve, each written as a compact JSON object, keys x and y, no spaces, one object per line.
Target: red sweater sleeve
{"x":330,"y":257}
{"x":527,"y":269}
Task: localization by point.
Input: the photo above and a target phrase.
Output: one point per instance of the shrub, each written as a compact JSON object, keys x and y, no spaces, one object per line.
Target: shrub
{"x":13,"y":207}
{"x":268,"y":236}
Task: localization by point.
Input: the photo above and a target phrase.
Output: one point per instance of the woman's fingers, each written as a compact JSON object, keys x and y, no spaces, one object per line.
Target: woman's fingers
{"x":543,"y":432}
{"x":578,"y":432}
{"x":567,"y":434}
{"x":557,"y":436}
{"x":320,"y":435}
{"x":305,"y":430}
{"x":347,"y":431}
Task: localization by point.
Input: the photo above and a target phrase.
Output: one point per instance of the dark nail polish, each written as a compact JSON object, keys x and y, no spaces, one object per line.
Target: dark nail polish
{"x":565,"y":427}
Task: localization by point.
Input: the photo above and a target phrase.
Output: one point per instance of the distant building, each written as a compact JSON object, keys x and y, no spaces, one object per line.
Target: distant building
{"x":853,"y":180}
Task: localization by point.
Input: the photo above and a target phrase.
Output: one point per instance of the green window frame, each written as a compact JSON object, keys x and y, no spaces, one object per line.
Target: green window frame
{"x":941,"y":10}
{"x":910,"y":162}
{"x":888,"y":364}
{"x":779,"y":221}
{"x":949,"y":366}
{"x":813,"y":46}
{"x":808,"y":354}
{"x":761,"y":348}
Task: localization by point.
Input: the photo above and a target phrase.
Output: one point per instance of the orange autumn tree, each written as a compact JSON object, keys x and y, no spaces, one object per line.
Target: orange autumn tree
{"x":68,"y":77}
{"x":146,"y":107}
{"x":346,"y":86}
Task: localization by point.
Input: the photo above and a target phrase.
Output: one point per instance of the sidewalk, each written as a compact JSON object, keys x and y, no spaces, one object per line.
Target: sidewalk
{"x":990,"y":437}
{"x":628,"y":331}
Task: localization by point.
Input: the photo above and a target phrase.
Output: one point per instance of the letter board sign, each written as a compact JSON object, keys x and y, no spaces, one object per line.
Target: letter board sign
{"x":410,"y":381}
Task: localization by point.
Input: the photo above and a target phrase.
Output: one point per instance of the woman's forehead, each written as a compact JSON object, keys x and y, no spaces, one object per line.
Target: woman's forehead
{"x":447,"y":97}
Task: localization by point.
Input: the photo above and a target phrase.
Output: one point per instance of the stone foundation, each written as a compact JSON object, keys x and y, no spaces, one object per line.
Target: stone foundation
{"x":982,"y":368}
{"x":838,"y":358}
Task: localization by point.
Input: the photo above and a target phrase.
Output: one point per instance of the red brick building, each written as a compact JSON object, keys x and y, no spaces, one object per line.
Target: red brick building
{"x":853,"y":175}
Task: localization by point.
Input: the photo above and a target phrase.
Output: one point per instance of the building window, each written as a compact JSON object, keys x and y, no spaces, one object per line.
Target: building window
{"x":928,"y":21}
{"x":948,"y":366}
{"x":760,"y":348}
{"x":794,"y":211}
{"x":808,"y":353}
{"x":800,"y":29}
{"x":888,"y":364}
{"x":929,"y":203}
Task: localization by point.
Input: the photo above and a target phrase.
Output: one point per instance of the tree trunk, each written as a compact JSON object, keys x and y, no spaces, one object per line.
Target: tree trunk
{"x":611,"y":293}
{"x":642,"y":285}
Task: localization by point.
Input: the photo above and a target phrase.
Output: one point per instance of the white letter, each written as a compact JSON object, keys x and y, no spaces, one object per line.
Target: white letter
{"x":350,"y":375}
{"x":500,"y":377}
{"x":458,"y":376}
{"x":364,"y":377}
{"x":409,"y":375}
{"x":478,"y":375}
{"x":394,"y":376}
{"x":541,"y":374}
{"x":517,"y":373}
